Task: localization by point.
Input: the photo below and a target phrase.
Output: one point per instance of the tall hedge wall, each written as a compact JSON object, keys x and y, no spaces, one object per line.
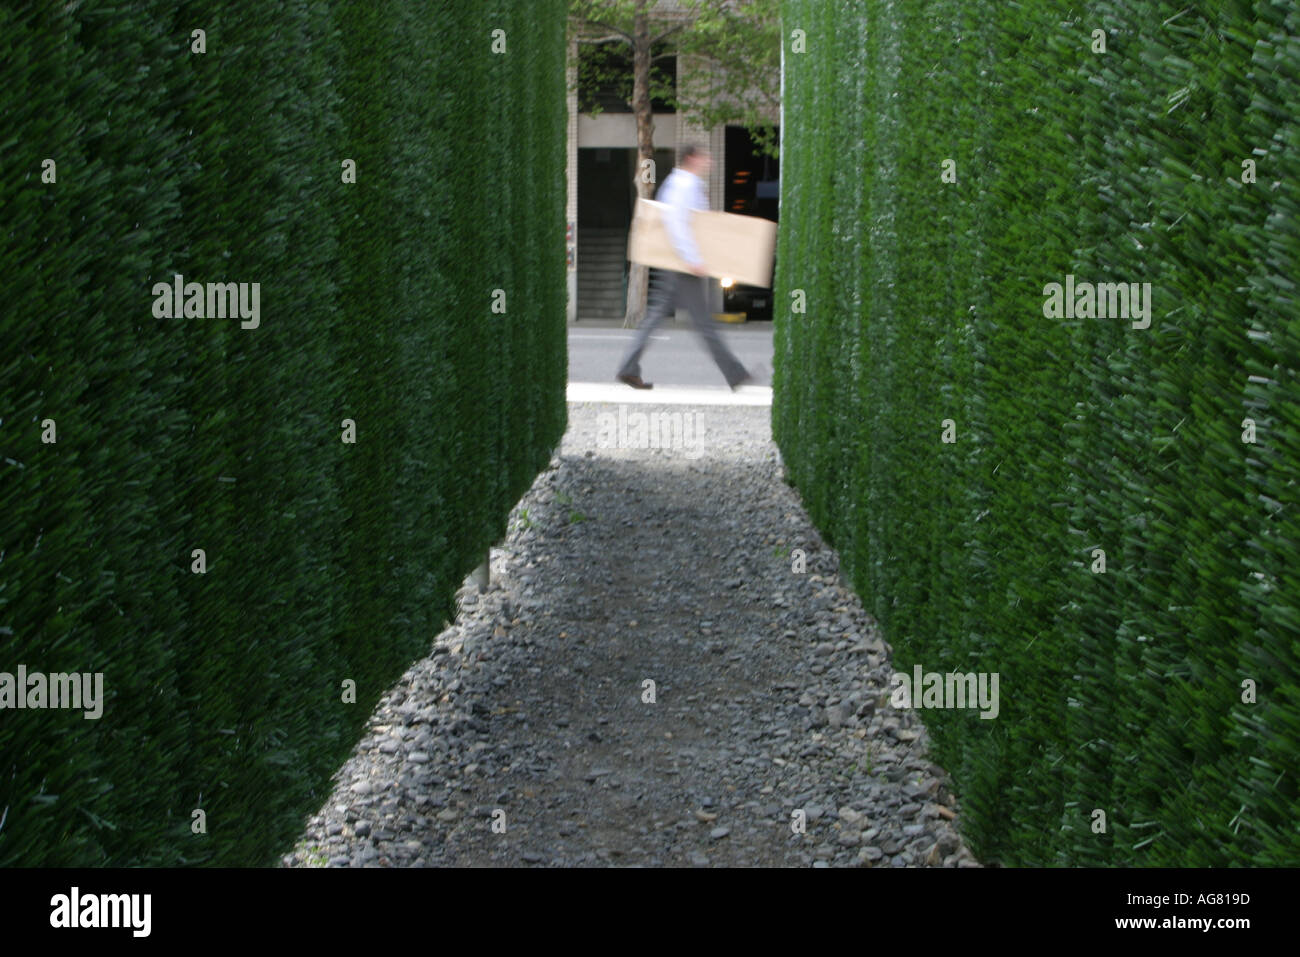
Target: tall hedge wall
{"x":326,"y":561}
{"x":1121,"y":691}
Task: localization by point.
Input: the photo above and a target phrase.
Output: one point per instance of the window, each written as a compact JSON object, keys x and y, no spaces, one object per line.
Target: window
{"x":605,"y":78}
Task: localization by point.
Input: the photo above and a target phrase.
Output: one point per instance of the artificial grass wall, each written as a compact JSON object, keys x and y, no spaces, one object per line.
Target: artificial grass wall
{"x":1120,"y":691}
{"x":326,"y":561}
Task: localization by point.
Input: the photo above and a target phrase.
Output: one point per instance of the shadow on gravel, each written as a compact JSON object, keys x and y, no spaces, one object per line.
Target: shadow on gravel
{"x":647,"y":682}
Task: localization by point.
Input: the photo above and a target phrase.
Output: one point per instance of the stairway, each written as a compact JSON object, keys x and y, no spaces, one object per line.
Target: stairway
{"x":602,"y":257}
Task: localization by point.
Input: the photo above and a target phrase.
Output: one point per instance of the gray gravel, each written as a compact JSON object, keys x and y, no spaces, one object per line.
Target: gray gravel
{"x":526,"y":737}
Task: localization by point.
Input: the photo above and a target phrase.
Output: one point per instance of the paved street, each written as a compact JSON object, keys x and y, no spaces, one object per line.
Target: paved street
{"x":676,"y":355}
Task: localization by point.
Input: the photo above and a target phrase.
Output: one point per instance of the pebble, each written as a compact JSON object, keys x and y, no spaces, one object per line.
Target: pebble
{"x":771,"y":687}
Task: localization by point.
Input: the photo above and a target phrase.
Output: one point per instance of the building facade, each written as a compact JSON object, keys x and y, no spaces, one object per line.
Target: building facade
{"x":601,"y":188}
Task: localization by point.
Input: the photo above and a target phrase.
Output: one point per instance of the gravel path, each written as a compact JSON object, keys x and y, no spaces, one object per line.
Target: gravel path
{"x":528,"y":736}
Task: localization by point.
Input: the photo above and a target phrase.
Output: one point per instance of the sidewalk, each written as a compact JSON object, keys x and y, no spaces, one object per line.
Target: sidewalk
{"x":618,"y":392}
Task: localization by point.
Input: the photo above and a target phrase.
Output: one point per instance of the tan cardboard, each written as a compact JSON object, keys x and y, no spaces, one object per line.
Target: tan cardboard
{"x":732,"y":246}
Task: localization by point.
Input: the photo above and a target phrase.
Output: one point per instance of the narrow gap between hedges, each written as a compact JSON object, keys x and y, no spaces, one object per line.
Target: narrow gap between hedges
{"x":532,"y":734}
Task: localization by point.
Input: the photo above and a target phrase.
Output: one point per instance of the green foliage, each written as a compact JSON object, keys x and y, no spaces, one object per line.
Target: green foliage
{"x":1120,"y":691}
{"x":605,"y":70}
{"x":326,"y":562}
{"x":738,"y":45}
{"x":734,"y":45}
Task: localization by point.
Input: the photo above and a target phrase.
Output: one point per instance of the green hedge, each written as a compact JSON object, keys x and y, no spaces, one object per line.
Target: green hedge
{"x":1120,"y":692}
{"x":326,"y":561}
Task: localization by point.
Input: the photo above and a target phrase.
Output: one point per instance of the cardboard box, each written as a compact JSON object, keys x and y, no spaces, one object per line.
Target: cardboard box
{"x":732,"y":246}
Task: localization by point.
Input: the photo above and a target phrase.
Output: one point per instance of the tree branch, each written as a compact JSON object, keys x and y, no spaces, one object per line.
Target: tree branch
{"x":667,"y":33}
{"x":606,"y":26}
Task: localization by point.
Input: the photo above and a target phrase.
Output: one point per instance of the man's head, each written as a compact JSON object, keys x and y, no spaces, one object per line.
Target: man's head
{"x":695,"y":159}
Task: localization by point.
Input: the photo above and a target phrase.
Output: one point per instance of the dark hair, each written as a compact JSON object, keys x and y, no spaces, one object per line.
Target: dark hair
{"x":689,"y":151}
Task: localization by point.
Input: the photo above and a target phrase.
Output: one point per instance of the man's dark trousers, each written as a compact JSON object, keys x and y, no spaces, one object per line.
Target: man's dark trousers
{"x":688,"y":291}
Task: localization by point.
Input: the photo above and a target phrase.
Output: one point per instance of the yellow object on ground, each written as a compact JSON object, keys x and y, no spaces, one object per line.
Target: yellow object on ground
{"x":730,"y":316}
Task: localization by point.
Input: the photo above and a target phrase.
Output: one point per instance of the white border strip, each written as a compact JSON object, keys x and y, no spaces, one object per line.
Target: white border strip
{"x":617,"y":392}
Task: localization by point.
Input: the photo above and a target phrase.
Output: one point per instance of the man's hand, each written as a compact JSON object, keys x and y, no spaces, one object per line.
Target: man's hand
{"x":700,"y":269}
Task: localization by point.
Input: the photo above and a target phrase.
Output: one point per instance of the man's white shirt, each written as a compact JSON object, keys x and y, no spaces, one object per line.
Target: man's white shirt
{"x":683,"y":192}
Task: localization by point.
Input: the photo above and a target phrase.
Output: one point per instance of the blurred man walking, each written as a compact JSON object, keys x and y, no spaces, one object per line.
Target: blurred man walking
{"x":683,"y":192}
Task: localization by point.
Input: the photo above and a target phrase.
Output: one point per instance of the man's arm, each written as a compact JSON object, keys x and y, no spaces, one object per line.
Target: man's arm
{"x":677,"y":215}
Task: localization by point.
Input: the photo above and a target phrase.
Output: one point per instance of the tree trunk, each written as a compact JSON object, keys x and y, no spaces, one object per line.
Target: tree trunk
{"x":638,"y":275}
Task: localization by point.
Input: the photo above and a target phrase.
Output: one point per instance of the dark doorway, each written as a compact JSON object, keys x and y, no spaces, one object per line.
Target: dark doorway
{"x":751,"y":189}
{"x":605,"y":188}
{"x":752,"y":180}
{"x":606,"y":200}
{"x":605,"y":197}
